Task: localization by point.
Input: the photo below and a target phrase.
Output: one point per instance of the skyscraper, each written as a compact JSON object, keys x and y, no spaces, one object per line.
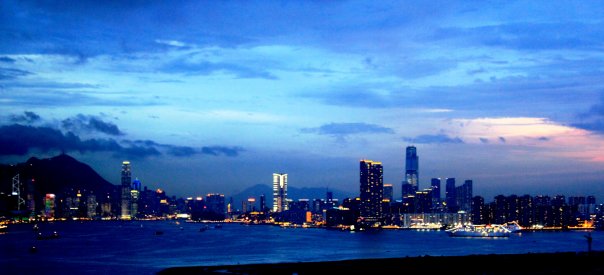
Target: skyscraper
{"x":263,"y":203}
{"x":388,"y":192}
{"x":450,"y":195}
{"x":126,"y":181}
{"x":435,"y":185}
{"x":279,"y":192}
{"x":411,"y":169}
{"x":372,"y":191}
{"x":134,"y":197}
{"x":463,"y":196}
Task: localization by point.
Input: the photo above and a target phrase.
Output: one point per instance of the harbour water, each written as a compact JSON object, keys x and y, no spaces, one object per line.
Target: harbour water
{"x":136,"y":248}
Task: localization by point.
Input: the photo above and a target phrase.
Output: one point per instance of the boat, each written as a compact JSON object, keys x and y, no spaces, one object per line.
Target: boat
{"x":484,"y":231}
{"x":3,"y":228}
{"x":513,"y":227}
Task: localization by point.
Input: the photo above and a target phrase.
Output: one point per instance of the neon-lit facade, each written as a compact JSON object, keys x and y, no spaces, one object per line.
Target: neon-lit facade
{"x":279,"y":192}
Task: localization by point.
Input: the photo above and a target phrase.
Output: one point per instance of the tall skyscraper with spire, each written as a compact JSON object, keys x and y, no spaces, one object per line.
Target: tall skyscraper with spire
{"x":372,"y":192}
{"x":410,"y":185}
{"x":126,"y":181}
{"x":279,"y":192}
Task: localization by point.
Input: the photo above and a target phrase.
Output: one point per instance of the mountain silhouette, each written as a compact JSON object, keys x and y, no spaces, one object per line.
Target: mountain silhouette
{"x":61,"y":175}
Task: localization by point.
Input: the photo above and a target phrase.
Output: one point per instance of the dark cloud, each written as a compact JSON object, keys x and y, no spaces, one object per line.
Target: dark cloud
{"x":7,"y":59}
{"x":502,"y":139}
{"x":187,"y":151}
{"x":593,"y":119}
{"x":344,"y":129}
{"x":529,"y":36}
{"x":222,"y":150}
{"x":354,"y":96}
{"x":90,"y":124}
{"x":543,"y":139}
{"x":9,"y":73}
{"x":439,"y":138}
{"x":17,"y":139}
{"x":27,"y":117}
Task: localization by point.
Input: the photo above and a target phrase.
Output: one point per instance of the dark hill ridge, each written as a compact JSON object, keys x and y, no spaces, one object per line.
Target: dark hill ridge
{"x":59,"y":175}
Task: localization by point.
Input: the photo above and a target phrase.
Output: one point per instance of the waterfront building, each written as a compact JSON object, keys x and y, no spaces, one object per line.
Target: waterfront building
{"x":263,"y":203}
{"x":411,"y":168}
{"x":388,"y":192}
{"x":450,"y":196}
{"x":49,"y":206}
{"x":125,"y":186}
{"x":435,"y":185}
{"x":372,"y":192}
{"x":279,"y":192}
{"x":463,"y":196}
{"x":91,"y":205}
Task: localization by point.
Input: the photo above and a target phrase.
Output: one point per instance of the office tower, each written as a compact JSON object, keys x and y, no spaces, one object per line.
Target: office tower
{"x":463,"y":195}
{"x":215,"y":205}
{"x":279,"y":192}
{"x":49,"y":206}
{"x":262,"y":203}
{"x":135,"y":197}
{"x":408,"y":190}
{"x":91,"y":205}
{"x":329,"y":196}
{"x":372,"y":191}
{"x":126,"y":181}
{"x":412,"y":168}
{"x":435,"y":185}
{"x":422,"y":201}
{"x":478,"y":210}
{"x":388,"y":192}
{"x":450,"y":196}
{"x":251,"y":204}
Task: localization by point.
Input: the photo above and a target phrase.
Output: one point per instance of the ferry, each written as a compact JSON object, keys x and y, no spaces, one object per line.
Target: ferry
{"x":514,"y":227}
{"x":470,"y":230}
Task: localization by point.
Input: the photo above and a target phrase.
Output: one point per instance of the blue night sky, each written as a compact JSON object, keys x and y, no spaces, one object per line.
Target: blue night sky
{"x":215,"y":96}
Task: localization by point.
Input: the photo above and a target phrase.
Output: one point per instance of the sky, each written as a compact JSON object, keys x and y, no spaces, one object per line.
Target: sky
{"x":215,"y":96}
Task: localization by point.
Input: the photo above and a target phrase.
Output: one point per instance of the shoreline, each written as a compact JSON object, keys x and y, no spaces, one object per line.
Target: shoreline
{"x":531,"y":263}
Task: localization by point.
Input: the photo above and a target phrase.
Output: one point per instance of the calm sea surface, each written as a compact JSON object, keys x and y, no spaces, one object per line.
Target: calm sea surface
{"x":133,"y":247}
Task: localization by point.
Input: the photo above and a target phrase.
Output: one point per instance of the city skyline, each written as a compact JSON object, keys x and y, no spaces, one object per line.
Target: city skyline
{"x":507,"y":94}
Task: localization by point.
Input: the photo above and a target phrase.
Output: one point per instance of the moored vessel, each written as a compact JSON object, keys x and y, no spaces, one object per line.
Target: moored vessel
{"x":470,"y":230}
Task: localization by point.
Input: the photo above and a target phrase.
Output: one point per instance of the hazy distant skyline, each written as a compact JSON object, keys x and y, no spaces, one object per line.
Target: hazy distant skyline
{"x":213,"y":96}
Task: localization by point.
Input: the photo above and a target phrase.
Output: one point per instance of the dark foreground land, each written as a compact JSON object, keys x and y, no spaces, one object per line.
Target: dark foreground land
{"x":542,"y":263}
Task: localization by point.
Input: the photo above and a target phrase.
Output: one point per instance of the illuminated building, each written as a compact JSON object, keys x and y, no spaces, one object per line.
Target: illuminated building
{"x":435,"y":185}
{"x":372,"y":191}
{"x":279,"y":192}
{"x":388,"y":192}
{"x":135,"y":197}
{"x":215,"y":205}
{"x":263,"y":203}
{"x":126,"y":181}
{"x":411,"y":168}
{"x":91,"y":205}
{"x":251,"y":204}
{"x":463,"y":195}
{"x":49,"y":206}
{"x":450,"y":197}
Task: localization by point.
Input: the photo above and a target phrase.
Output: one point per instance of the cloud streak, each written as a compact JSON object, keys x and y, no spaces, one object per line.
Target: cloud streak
{"x":429,"y":139}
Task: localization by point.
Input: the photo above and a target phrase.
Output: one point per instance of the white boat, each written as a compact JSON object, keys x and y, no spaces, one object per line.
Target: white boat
{"x":470,"y":230}
{"x":513,"y":227}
